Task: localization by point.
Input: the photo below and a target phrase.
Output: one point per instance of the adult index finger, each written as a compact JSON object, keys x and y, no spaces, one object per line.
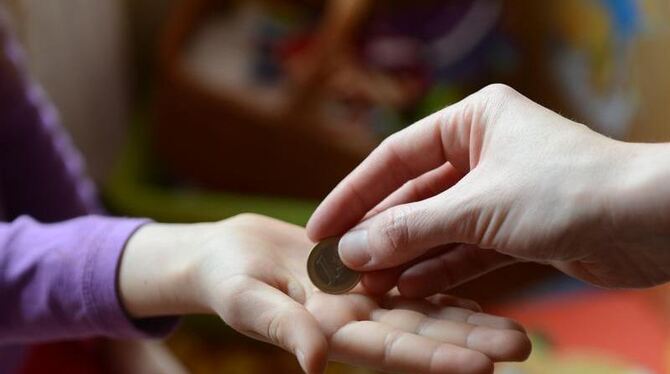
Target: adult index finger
{"x":402,"y":157}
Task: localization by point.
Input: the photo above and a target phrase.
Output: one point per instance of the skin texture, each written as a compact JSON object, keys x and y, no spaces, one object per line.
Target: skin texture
{"x":496,"y":179}
{"x":250,"y":270}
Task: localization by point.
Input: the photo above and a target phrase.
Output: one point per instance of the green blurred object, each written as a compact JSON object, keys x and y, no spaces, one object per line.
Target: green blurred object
{"x":438,"y":97}
{"x":133,"y":190}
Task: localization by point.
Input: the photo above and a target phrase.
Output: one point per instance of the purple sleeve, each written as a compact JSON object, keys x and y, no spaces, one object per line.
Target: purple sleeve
{"x":41,"y":173}
{"x":58,"y":281}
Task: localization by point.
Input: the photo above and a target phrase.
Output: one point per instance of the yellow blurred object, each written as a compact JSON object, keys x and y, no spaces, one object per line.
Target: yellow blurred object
{"x":233,"y":353}
{"x":544,"y":360}
{"x":652,"y":77}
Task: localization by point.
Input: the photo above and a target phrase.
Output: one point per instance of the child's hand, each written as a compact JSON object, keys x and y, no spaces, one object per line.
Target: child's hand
{"x":250,"y":270}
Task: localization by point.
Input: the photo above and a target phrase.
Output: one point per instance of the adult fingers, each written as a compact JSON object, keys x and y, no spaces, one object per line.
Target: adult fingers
{"x":405,"y":232}
{"x":267,"y":314}
{"x":449,"y":269}
{"x":427,"y":144}
{"x":427,"y":185}
{"x":380,"y":282}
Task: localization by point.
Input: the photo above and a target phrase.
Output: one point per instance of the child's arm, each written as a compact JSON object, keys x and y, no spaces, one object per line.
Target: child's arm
{"x":251,"y":271}
{"x":58,"y":281}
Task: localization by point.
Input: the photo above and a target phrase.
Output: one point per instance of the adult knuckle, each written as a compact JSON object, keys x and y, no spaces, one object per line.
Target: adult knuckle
{"x":494,"y":99}
{"x":246,"y":219}
{"x":394,"y":231}
{"x":498,"y":91}
{"x":390,"y":141}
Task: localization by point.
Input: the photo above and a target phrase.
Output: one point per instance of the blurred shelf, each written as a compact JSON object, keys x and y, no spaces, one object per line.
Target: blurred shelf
{"x":131,"y":191}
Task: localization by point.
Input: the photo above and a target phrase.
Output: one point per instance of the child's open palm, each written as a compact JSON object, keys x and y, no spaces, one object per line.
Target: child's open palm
{"x":251,"y":271}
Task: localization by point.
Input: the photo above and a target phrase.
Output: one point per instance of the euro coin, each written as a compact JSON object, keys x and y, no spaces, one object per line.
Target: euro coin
{"x":326,"y":270}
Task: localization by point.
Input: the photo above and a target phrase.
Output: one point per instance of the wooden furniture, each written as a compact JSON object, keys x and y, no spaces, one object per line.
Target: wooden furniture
{"x":228,"y":140}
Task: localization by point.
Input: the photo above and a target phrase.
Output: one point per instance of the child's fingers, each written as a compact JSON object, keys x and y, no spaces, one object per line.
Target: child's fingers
{"x":267,"y":314}
{"x":452,"y":308}
{"x":381,"y":346}
{"x":498,"y":344}
{"x":434,"y":305}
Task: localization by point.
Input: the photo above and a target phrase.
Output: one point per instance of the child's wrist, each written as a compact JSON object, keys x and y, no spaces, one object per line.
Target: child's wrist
{"x":157,"y":273}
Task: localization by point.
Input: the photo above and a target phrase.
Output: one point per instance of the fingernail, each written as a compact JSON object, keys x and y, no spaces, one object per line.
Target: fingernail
{"x":353,"y":248}
{"x":301,"y":359}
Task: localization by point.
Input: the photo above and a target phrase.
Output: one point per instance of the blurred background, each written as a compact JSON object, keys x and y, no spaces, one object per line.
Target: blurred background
{"x":192,"y":110}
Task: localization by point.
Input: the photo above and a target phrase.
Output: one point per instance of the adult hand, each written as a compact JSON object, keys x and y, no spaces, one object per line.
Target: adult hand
{"x":496,"y":179}
{"x":250,"y":270}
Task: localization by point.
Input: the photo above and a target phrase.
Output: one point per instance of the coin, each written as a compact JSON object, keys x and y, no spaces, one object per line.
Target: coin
{"x":326,"y":270}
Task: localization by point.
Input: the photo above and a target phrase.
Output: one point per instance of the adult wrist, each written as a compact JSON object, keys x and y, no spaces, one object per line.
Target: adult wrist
{"x":641,"y":202}
{"x":644,"y":184}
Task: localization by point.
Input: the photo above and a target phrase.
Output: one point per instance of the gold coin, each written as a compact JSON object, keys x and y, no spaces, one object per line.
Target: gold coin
{"x":326,"y":270}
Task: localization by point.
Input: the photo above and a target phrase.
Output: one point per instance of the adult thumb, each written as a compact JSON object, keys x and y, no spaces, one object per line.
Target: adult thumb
{"x":402,"y":233}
